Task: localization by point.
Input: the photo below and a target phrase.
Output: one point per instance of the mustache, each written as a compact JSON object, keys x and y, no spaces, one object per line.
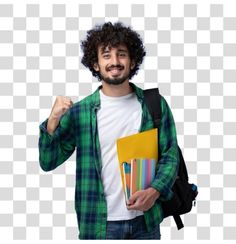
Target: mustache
{"x":114,"y":67}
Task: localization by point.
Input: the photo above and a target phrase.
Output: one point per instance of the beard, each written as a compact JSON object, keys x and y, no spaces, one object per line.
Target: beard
{"x":114,"y":81}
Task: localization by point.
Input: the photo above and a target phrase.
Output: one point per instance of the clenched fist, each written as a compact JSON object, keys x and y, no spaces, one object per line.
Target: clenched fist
{"x":61,"y":105}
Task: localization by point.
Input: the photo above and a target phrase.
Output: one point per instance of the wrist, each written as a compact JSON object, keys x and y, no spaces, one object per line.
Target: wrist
{"x":52,"y":117}
{"x":154,"y":193}
{"x":52,"y":124}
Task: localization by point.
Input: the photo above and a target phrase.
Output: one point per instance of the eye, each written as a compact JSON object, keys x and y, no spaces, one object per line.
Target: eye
{"x":106,"y":56}
{"x":122,"y":54}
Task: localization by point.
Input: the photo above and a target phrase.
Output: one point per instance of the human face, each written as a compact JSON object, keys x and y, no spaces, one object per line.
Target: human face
{"x":114,"y":64}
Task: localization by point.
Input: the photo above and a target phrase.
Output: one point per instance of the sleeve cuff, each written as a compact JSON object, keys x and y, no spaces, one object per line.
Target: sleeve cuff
{"x":165,"y":192}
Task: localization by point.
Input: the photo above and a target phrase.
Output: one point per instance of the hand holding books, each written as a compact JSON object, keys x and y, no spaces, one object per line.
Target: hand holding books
{"x":143,"y":200}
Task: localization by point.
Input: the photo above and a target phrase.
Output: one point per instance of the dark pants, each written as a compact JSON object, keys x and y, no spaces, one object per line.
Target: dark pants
{"x":131,"y":229}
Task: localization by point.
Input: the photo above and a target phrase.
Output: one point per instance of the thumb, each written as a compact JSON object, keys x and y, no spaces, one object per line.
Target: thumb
{"x":133,"y":198}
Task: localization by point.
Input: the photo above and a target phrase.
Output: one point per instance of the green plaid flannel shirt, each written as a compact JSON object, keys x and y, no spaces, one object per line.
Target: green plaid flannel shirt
{"x":78,"y":129}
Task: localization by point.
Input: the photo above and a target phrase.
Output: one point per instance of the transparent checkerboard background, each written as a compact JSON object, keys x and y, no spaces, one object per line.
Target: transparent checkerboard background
{"x":191,"y":57}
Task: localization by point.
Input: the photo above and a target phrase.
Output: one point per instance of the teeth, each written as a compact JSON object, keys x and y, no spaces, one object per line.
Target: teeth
{"x":120,"y":68}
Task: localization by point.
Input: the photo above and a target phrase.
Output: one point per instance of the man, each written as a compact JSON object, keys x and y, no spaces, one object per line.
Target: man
{"x":113,"y":53}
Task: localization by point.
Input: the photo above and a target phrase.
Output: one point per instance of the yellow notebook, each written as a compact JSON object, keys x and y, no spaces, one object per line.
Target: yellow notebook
{"x":140,"y":145}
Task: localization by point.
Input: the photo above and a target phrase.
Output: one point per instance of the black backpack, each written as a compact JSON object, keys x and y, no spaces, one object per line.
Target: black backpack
{"x":185,"y":194}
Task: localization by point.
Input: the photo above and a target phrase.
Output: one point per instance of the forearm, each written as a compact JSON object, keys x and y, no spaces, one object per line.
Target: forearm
{"x":166,"y":173}
{"x":52,"y":124}
{"x":55,"y":148}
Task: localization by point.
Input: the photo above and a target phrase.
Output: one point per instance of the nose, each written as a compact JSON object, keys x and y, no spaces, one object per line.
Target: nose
{"x":114,"y":59}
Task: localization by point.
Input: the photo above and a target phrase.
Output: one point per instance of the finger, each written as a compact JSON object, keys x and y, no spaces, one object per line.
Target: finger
{"x":130,"y":201}
{"x":134,"y":197}
{"x":68,"y":104}
{"x":66,"y":107}
{"x":133,"y":207}
{"x":66,"y":99}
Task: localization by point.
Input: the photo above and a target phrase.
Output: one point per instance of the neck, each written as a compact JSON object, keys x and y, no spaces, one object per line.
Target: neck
{"x":116,"y":90}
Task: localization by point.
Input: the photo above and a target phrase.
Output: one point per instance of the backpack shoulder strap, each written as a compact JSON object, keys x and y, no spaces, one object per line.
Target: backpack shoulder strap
{"x":152,"y":98}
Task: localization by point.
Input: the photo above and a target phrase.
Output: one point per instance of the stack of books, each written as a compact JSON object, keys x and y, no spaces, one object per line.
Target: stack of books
{"x":137,"y":156}
{"x":138,"y":175}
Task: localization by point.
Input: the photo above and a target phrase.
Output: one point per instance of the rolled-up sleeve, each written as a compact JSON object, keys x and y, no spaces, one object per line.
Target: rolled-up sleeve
{"x":56,"y":148}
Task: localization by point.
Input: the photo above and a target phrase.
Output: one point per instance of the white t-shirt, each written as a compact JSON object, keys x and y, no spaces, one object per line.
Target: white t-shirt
{"x":117,"y":117}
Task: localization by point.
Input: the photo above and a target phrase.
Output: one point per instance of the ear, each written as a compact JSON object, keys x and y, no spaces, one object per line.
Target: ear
{"x":96,"y":67}
{"x":132,"y":64}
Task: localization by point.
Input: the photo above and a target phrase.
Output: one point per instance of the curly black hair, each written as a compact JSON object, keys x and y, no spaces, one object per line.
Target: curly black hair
{"x":112,"y":35}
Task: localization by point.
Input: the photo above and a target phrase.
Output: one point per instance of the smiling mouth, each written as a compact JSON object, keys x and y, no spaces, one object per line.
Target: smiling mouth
{"x":115,"y":70}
